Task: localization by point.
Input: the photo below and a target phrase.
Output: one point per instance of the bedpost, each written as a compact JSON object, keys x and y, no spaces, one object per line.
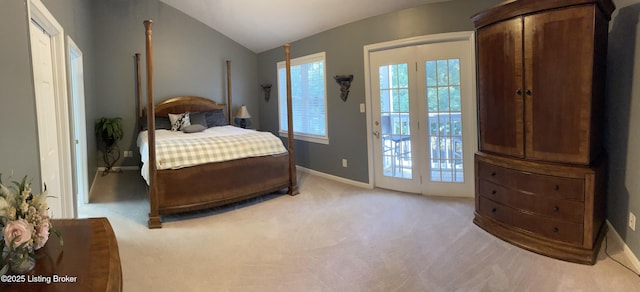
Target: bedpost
{"x":138,"y":91}
{"x":229,"y":92}
{"x":293,"y":183}
{"x":154,"y":214}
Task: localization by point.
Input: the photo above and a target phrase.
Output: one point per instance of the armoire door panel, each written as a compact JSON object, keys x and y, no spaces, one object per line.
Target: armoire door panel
{"x":558,"y":48}
{"x":500,"y":90}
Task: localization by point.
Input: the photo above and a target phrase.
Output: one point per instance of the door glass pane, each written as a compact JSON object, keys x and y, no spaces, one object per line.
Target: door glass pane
{"x":445,"y":122}
{"x":394,"y":119}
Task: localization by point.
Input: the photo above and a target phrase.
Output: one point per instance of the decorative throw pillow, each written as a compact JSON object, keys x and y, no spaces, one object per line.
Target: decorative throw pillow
{"x":193,"y":128}
{"x":215,"y":118}
{"x":198,"y":118}
{"x":178,"y":121}
{"x":161,"y":123}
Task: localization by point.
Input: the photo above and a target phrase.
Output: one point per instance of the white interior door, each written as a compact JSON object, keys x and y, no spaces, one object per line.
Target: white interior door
{"x":79,"y":121}
{"x":423,"y":117}
{"x":46,"y":115}
{"x":52,"y":107}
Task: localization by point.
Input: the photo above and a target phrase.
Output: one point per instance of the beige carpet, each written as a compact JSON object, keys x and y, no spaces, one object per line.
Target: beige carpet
{"x":331,"y":237}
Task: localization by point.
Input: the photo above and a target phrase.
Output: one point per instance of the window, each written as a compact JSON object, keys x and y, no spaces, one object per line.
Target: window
{"x":445,"y":119}
{"x":308,"y":96}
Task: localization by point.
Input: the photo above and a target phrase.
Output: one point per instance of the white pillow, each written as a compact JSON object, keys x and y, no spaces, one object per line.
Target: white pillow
{"x":178,"y":121}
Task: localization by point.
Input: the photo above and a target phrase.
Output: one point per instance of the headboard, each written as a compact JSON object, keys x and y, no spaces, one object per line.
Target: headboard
{"x":181,"y":104}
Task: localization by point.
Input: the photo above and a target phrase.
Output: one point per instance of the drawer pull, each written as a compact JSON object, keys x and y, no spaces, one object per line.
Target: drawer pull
{"x":556,"y":188}
{"x":494,"y":192}
{"x":556,"y":209}
{"x":493,"y":210}
{"x":493,"y":173}
{"x":555,"y":230}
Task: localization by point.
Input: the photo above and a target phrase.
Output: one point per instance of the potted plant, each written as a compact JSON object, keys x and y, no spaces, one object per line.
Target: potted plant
{"x":110,"y":131}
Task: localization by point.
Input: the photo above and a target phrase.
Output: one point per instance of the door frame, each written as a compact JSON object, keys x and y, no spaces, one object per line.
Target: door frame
{"x":39,"y":13}
{"x":80,"y":173}
{"x":413,"y":41}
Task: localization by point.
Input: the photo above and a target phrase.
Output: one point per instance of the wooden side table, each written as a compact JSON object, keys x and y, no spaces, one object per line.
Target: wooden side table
{"x":88,"y":261}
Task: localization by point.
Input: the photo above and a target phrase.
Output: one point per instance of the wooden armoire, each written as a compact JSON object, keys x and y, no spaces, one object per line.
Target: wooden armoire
{"x":541,"y":169}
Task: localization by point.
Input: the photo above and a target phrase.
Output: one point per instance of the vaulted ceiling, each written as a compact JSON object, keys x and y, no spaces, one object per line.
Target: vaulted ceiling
{"x":261,"y":25}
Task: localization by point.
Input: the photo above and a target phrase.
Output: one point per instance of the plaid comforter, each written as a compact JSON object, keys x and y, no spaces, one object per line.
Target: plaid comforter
{"x":189,"y":151}
{"x":177,"y":150}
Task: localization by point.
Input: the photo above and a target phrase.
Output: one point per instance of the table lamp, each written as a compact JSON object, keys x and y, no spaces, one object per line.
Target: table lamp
{"x":243,"y":116}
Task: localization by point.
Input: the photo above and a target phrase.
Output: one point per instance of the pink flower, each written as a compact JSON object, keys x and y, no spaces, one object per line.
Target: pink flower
{"x":19,"y":230}
{"x":42,"y":231}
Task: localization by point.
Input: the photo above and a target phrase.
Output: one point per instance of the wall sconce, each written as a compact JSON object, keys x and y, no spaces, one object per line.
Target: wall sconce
{"x":345,"y":84}
{"x":267,"y":91}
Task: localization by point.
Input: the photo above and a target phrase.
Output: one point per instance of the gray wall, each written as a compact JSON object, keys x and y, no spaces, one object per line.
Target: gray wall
{"x":18,"y":131}
{"x":344,"y":48}
{"x":623,"y":120}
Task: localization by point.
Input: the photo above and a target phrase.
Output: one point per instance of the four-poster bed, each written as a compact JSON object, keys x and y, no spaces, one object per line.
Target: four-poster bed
{"x":214,"y":183}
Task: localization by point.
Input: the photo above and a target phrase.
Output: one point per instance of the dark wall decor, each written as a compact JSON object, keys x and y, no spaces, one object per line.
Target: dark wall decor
{"x":345,"y":84}
{"x":267,"y":91}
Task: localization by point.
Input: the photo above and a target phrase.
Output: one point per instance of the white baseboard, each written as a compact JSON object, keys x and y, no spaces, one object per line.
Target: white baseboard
{"x":626,"y":250}
{"x":334,"y":178}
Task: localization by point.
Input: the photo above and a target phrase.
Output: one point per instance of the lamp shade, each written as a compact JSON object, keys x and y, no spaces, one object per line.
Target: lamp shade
{"x":243,"y":113}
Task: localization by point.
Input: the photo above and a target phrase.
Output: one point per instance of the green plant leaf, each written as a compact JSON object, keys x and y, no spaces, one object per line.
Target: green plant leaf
{"x":109,"y":128}
{"x":4,"y":269}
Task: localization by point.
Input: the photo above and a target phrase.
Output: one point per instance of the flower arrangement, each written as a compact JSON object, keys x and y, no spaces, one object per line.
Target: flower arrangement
{"x":25,"y":226}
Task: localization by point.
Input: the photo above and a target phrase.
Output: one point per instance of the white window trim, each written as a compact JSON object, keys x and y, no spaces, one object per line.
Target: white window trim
{"x":303,"y":136}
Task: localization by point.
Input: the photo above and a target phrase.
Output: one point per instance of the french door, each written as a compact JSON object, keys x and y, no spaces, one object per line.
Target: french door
{"x":423,"y":118}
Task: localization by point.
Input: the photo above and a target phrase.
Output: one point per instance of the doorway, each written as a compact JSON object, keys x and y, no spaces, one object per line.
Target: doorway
{"x":76,"y":74}
{"x":422,"y":121}
{"x":49,"y":77}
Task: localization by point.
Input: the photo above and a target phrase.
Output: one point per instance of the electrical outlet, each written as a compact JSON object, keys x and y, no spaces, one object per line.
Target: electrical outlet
{"x":128,"y":153}
{"x":344,"y":163}
{"x":632,"y":221}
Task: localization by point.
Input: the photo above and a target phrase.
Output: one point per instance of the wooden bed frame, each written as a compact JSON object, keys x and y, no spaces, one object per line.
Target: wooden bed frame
{"x":212,"y":184}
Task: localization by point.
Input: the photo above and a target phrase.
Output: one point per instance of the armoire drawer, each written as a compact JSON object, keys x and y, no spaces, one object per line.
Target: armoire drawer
{"x":554,"y":229}
{"x":542,"y":205}
{"x":539,"y":184}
